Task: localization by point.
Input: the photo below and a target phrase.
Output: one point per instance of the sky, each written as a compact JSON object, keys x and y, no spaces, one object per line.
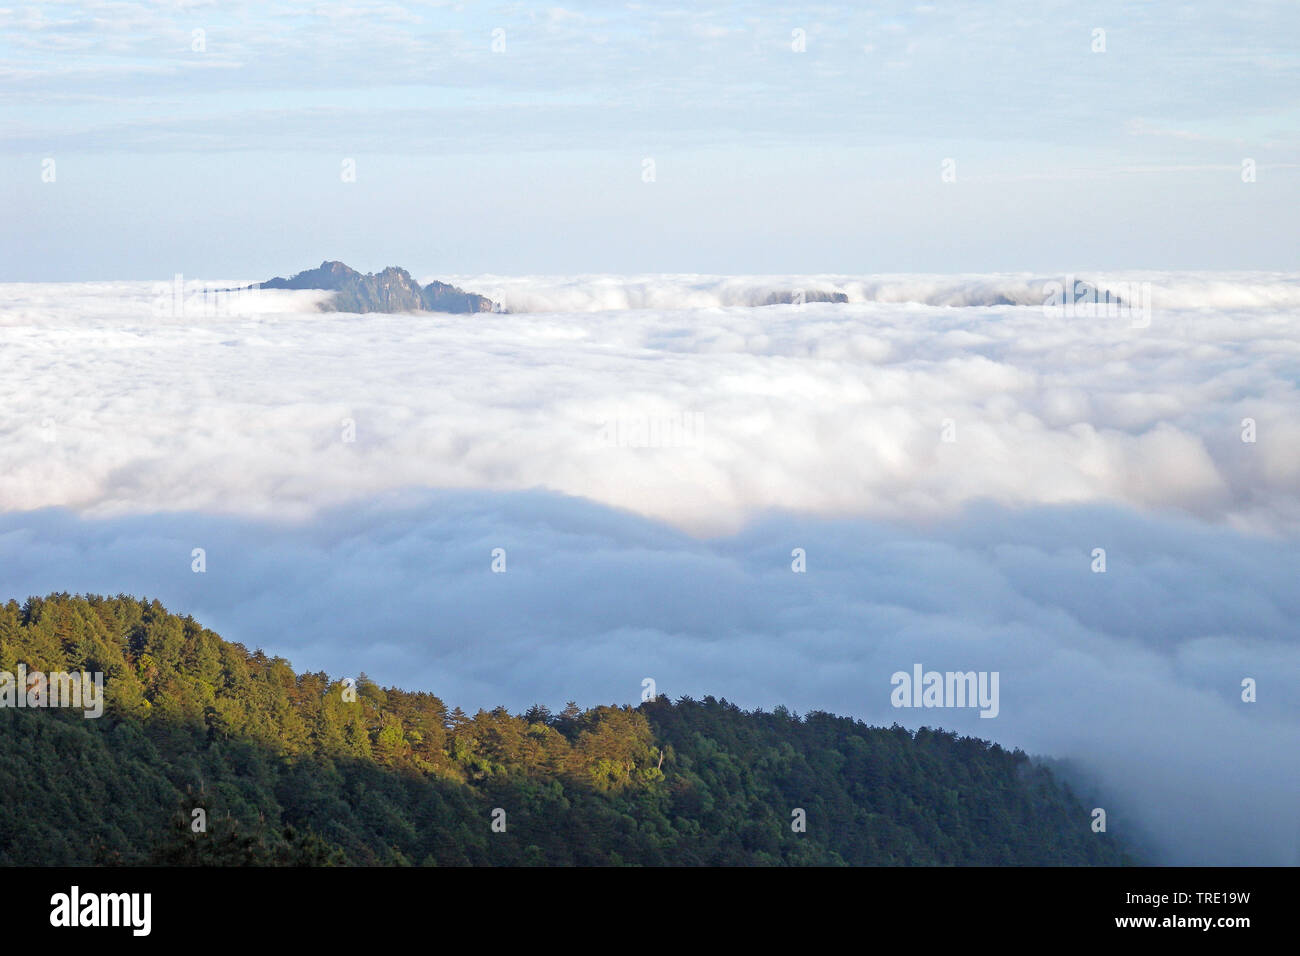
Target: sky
{"x":734,"y":139}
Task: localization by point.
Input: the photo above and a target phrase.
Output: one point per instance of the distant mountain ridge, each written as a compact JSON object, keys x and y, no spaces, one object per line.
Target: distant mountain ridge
{"x":392,"y":290}
{"x":804,"y":295}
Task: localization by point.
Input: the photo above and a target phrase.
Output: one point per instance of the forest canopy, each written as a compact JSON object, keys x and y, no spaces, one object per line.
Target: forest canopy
{"x":304,"y":769}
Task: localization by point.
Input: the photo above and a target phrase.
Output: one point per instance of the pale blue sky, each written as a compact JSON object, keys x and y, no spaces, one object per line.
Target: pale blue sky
{"x":226,"y":161}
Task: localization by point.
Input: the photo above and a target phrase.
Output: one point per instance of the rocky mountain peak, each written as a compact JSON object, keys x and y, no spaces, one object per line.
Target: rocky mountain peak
{"x":392,"y":290}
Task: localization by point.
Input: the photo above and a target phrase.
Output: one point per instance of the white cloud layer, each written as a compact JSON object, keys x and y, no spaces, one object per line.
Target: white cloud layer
{"x":664,"y":396}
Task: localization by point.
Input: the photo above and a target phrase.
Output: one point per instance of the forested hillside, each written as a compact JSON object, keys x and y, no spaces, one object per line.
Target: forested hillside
{"x":289,"y":770}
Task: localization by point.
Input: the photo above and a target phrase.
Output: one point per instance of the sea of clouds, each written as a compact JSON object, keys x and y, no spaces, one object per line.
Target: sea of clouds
{"x":701,"y":415}
{"x":649,"y":451}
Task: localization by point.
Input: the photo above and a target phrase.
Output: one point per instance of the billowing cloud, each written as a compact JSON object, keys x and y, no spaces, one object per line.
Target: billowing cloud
{"x":669,"y":398}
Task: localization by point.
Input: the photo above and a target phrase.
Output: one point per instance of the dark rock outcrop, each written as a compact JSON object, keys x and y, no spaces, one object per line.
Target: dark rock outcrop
{"x":330,"y":275}
{"x":440,"y":297}
{"x":809,"y":295}
{"x":392,"y":290}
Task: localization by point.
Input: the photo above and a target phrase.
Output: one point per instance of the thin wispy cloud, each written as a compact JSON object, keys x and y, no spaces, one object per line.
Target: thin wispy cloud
{"x":768,"y":113}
